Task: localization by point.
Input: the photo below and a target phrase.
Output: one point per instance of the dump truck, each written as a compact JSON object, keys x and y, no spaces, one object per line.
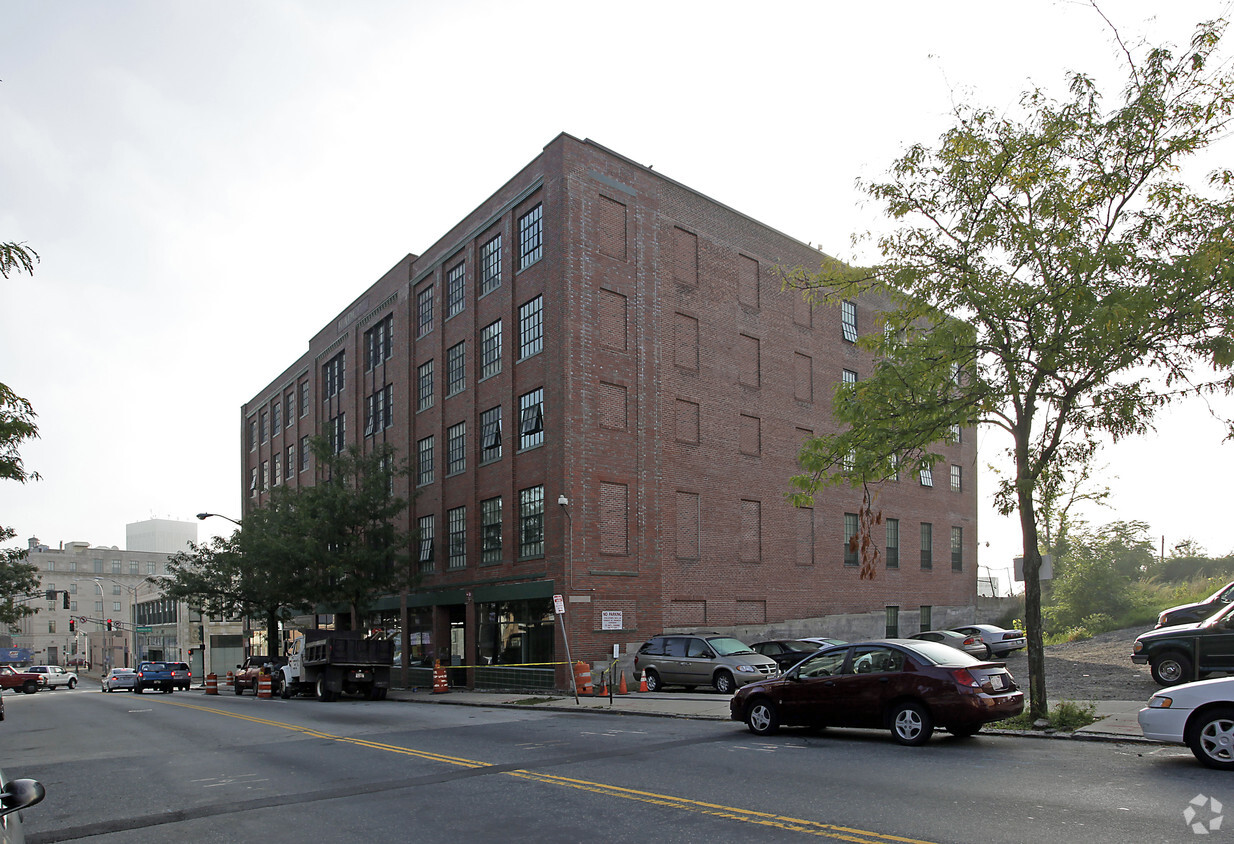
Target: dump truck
{"x":329,"y":663}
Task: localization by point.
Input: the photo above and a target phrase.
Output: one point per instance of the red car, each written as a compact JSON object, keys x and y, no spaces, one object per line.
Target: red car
{"x":907,"y":686}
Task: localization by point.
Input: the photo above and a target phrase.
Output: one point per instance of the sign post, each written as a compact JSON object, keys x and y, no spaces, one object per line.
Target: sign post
{"x":559,"y":606}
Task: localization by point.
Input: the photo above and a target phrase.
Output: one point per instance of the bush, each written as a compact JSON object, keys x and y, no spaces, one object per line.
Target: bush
{"x":1066,"y":715}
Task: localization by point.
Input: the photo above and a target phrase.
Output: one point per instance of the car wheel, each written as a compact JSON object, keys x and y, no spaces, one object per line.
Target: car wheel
{"x":762,"y":718}
{"x":239,"y":689}
{"x":30,"y":687}
{"x":724,"y":683}
{"x":988,"y":653}
{"x":911,"y":724}
{"x":1171,"y":668}
{"x":72,"y":684}
{"x":136,"y":690}
{"x":1211,"y":738}
{"x":653,"y":681}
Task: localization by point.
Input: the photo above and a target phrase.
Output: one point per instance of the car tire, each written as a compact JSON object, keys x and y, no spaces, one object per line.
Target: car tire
{"x":911,"y":724}
{"x":30,"y":688}
{"x":238,"y":688}
{"x":653,"y":681}
{"x":724,"y":683}
{"x":72,"y":684}
{"x":965,"y":732}
{"x":136,"y":689}
{"x":1171,"y":668}
{"x":988,"y":653}
{"x":1211,"y":738}
{"x":762,"y":717}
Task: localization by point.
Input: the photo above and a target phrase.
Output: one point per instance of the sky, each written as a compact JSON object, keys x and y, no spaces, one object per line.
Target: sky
{"x":207,"y":184}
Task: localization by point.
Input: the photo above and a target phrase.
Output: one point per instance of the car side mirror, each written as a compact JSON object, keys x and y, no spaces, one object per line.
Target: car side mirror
{"x":19,"y":794}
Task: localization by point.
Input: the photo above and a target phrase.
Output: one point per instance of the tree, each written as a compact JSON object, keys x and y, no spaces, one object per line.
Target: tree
{"x":1050,"y":276}
{"x":1095,"y":574}
{"x":18,"y":579}
{"x":17,"y":258}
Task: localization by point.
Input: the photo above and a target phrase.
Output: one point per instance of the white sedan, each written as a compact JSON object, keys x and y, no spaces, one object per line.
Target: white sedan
{"x":1199,"y":715}
{"x":1001,"y":641}
{"x":56,"y":676}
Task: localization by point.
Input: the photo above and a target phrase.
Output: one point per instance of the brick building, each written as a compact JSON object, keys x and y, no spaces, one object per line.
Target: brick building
{"x":603,"y":390}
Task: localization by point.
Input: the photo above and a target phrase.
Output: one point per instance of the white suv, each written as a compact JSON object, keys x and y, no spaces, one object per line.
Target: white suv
{"x":56,"y":676}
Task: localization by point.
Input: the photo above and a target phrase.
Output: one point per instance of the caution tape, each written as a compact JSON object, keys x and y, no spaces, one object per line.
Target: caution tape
{"x":504,"y":665}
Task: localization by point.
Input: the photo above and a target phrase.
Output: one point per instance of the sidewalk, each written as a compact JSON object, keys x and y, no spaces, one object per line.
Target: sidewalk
{"x":1116,"y":719}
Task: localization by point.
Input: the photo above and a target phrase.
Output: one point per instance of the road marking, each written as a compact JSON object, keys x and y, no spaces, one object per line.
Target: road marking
{"x":669,"y":801}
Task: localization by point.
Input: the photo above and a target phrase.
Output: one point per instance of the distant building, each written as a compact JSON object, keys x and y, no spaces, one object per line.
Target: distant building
{"x":603,"y":390}
{"x":167,"y":536}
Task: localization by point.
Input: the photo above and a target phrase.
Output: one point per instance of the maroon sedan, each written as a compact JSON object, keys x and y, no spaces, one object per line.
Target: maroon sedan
{"x":907,"y":686}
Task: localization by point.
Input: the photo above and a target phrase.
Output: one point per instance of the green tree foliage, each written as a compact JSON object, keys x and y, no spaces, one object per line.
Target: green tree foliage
{"x":18,"y":579}
{"x":17,"y":258}
{"x":1095,"y":575}
{"x":1052,"y":277}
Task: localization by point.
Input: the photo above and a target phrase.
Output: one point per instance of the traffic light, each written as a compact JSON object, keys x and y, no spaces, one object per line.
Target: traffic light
{"x":51,"y":594}
{"x":72,"y":625}
{"x":109,"y":624}
{"x":66,"y":600}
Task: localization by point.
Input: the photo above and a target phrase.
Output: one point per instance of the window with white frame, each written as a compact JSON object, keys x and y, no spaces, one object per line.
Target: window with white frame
{"x":850,"y":531}
{"x":490,"y":530}
{"x":379,"y":343}
{"x":893,"y":543}
{"x":424,"y":386}
{"x":277,"y":472}
{"x":424,"y":464}
{"x":490,"y":435}
{"x":456,"y":368}
{"x":424,"y":311}
{"x":265,"y":425}
{"x":531,"y":419}
{"x":927,"y":476}
{"x":379,"y":410}
{"x":531,"y":522}
{"x":456,"y":449}
{"x":426,"y":542}
{"x":956,"y":480}
{"x":252,"y":435}
{"x":336,"y":432}
{"x":304,"y":453}
{"x":334,"y":375}
{"x":304,"y":397}
{"x":490,"y":349}
{"x":253,"y":481}
{"x":490,"y":265}
{"x":291,"y":461}
{"x":848,"y":320}
{"x":927,"y":545}
{"x":289,"y":400}
{"x":530,"y":237}
{"x":531,"y":327}
{"x":957,"y":549}
{"x":276,"y":417}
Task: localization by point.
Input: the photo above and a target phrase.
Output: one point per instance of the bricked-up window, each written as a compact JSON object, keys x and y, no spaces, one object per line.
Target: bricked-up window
{"x":611,"y":319}
{"x":611,"y":227}
{"x":456,"y":368}
{"x":424,"y":386}
{"x":850,"y":530}
{"x":490,"y":435}
{"x":531,"y":522}
{"x":747,"y":281}
{"x":927,"y":618}
{"x":848,"y":321}
{"x":456,"y":449}
{"x":252,"y":481}
{"x":927,"y":476}
{"x":490,"y":266}
{"x":748,"y":364}
{"x":291,"y":461}
{"x":614,"y":518}
{"x":456,"y":526}
{"x":490,"y":350}
{"x":379,"y":410}
{"x":927,"y":545}
{"x":378,"y":344}
{"x":304,"y":397}
{"x":892,"y":551}
{"x":305,"y":452}
{"x":289,"y":400}
{"x":893,"y":622}
{"x":456,"y":290}
{"x":530,"y":237}
{"x":956,"y":479}
{"x":687,"y":421}
{"x":803,"y":377}
{"x":252,"y":435}
{"x":336,"y":432}
{"x":334,"y":375}
{"x":424,"y":462}
{"x":750,"y":435}
{"x":490,"y":530}
{"x":685,"y":352}
{"x":612,"y":406}
{"x":265,"y":425}
{"x":425,"y":558}
{"x":276,"y":418}
{"x":531,"y":327}
{"x":751,"y":531}
{"x":957,"y":549}
{"x":277,"y":472}
{"x":531,"y":419}
{"x":424,"y":311}
{"x":689,"y":518}
{"x":685,"y":257}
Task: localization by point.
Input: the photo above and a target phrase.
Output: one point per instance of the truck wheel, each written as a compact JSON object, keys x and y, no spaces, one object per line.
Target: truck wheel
{"x":30,"y":688}
{"x":137,"y":689}
{"x":239,"y":688}
{"x":72,"y":684}
{"x":323,"y":692}
{"x":285,"y":691}
{"x":1171,"y":668}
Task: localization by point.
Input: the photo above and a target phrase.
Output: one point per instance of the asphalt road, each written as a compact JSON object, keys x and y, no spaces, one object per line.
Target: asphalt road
{"x":187,"y":767}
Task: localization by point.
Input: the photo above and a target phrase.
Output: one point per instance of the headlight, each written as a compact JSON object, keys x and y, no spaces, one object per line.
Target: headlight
{"x":1160,"y":702}
{"x":1137,"y":647}
{"x":749,"y":669}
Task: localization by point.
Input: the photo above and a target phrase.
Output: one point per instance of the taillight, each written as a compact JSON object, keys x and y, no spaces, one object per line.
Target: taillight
{"x":964,"y":678}
{"x":970,"y":641}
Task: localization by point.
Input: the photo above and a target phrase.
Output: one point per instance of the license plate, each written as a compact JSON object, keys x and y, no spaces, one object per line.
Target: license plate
{"x":360,"y":675}
{"x":997,"y":681}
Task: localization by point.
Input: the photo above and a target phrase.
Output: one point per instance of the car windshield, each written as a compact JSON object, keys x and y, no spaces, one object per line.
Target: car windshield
{"x":1222,"y":618}
{"x":802,"y":645}
{"x":939,"y":654}
{"x":725,"y":646}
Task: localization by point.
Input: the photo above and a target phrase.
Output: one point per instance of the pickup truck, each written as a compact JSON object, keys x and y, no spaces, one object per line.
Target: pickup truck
{"x":56,"y":676}
{"x":1186,"y":652}
{"x":328,"y":663}
{"x":155,"y":675}
{"x":253,"y":667}
{"x":26,"y":681}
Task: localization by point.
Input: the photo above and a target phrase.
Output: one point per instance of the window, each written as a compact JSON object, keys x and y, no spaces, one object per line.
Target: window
{"x":893,"y":543}
{"x":51,"y":625}
{"x":927,"y":476}
{"x":456,"y":449}
{"x":893,"y":622}
{"x":252,"y":435}
{"x":277,"y":476}
{"x":456,"y":290}
{"x":456,"y":369}
{"x":531,"y":522}
{"x":490,"y":266}
{"x":134,"y":568}
{"x":379,"y":343}
{"x":150,"y":568}
{"x":927,"y":545}
{"x":115,"y":587}
{"x":490,"y":530}
{"x":304,"y":397}
{"x":265,"y":482}
{"x":253,"y":481}
{"x":490,"y":349}
{"x":530,"y":237}
{"x":490,"y":435}
{"x":456,"y":522}
{"x":957,"y":549}
{"x":336,"y":432}
{"x":426,"y":543}
{"x":850,"y":532}
{"x":531,"y":328}
{"x":424,"y":470}
{"x":850,"y":377}
{"x":334,"y":375}
{"x":115,"y":606}
{"x":291,"y":461}
{"x":848,"y":320}
{"x":116,"y":568}
{"x":289,"y":399}
{"x":265,"y":423}
{"x":304,"y":454}
{"x":955,"y":433}
{"x":895,"y":466}
{"x":927,"y":620}
{"x":424,"y":386}
{"x":531,"y":419}
{"x":956,"y":484}
{"x":98,"y":607}
{"x":424,"y":311}
{"x":276,"y":424}
{"x":379,"y":411}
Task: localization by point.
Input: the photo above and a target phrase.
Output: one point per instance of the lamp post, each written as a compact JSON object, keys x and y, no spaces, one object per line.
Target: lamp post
{"x":204,"y":516}
{"x":236,"y":522}
{"x":150,"y":578}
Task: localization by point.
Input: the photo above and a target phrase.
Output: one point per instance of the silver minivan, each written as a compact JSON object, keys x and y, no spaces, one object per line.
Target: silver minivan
{"x":701,"y":659}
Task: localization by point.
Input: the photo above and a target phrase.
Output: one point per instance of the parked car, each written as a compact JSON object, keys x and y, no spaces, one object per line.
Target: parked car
{"x":16,"y":795}
{"x":1198,"y":611}
{"x":701,"y":659}
{"x":1199,"y":715}
{"x":786,"y":652}
{"x":904,"y":685}
{"x":119,"y":678}
{"x":971,"y":645}
{"x":55,"y":676}
{"x":1186,"y":652}
{"x":1001,"y":641}
{"x":26,"y":681}
{"x":181,"y":674}
{"x":823,"y":641}
{"x":252,"y":668}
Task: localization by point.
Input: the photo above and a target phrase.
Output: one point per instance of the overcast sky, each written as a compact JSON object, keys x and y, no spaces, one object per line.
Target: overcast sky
{"x":210,"y":183}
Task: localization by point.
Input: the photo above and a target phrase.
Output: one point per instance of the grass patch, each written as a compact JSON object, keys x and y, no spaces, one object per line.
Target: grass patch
{"x":1066,"y":715}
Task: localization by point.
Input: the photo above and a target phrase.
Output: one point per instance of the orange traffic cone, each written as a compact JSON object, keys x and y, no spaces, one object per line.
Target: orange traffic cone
{"x":621,"y":688}
{"x":642,"y":681}
{"x":602,"y":691}
{"x":440,"y":683}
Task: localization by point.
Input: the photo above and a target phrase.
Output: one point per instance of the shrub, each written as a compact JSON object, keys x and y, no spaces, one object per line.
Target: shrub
{"x":1066,"y":715}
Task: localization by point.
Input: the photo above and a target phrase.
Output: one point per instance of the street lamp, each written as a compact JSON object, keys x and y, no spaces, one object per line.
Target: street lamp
{"x":204,"y":516}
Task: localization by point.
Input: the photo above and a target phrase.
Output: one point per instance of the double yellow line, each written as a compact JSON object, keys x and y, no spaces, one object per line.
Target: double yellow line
{"x":822,"y":830}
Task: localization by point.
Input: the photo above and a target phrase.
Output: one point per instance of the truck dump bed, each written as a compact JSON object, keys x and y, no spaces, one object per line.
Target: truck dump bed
{"x":348,"y":649}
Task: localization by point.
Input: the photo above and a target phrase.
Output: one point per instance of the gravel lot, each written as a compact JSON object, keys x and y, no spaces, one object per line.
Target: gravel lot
{"x":1099,"y":668}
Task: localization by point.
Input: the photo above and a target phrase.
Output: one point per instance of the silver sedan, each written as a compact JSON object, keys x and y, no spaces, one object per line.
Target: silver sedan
{"x":119,"y":678}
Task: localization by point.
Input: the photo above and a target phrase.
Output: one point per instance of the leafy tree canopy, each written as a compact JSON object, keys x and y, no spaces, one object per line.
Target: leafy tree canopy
{"x":18,"y":579}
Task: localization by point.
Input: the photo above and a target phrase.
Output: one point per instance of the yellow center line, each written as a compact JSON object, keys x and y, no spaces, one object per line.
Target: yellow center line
{"x":823,"y":830}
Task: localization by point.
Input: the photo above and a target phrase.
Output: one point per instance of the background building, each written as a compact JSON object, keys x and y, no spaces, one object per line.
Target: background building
{"x":603,"y":390}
